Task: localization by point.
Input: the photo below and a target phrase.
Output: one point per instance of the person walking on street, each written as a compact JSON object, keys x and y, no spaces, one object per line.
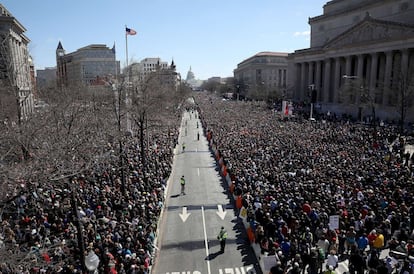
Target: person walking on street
{"x":182,"y":183}
{"x":183,"y":145}
{"x":222,"y":237}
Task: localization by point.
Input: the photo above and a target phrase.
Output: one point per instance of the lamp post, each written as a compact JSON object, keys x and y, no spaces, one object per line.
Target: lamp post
{"x":313,"y":99}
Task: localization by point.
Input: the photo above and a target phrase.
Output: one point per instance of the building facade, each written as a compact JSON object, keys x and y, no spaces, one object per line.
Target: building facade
{"x":167,"y":73}
{"x":262,"y":73}
{"x":91,"y":65}
{"x":138,"y":71}
{"x":361,"y":51}
{"x":46,"y":77}
{"x":16,"y":69}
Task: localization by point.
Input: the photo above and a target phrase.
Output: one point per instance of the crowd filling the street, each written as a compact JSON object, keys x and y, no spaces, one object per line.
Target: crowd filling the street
{"x":290,"y":176}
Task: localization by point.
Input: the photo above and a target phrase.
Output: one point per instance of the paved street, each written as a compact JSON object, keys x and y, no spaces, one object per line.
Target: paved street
{"x":190,"y":223}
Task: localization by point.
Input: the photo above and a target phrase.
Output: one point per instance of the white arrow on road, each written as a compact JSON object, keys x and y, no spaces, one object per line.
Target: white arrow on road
{"x":220,"y":212}
{"x":184,"y":215}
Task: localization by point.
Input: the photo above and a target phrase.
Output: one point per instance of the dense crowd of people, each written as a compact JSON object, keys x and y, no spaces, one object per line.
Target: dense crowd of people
{"x":118,"y":214}
{"x":295,"y":177}
{"x":290,"y":175}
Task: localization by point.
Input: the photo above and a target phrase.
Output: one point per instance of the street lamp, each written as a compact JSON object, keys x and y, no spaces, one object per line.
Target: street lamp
{"x":313,"y":99}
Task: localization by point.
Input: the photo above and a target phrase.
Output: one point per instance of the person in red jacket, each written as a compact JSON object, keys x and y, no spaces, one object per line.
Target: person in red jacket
{"x":371,"y":237}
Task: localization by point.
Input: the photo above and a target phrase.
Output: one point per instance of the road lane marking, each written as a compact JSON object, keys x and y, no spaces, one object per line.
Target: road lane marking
{"x":220,"y":212}
{"x":228,"y":270}
{"x":184,"y":215}
{"x":205,"y":240}
{"x":238,"y":270}
{"x":198,"y":172}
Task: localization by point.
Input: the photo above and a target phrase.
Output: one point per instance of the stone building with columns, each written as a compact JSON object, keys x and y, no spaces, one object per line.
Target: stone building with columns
{"x":262,"y":73}
{"x":361,"y":51}
{"x":16,"y":69}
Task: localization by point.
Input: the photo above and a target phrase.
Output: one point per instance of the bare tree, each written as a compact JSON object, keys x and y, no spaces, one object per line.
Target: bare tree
{"x":404,"y":95}
{"x":211,"y":86}
{"x":152,"y":98}
{"x":65,"y":141}
{"x":357,"y":92}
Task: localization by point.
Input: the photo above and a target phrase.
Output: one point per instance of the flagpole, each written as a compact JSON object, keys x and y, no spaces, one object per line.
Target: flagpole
{"x":126,"y":46}
{"x":129,"y":129}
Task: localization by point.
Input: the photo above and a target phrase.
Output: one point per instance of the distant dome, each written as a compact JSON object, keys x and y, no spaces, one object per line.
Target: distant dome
{"x":190,"y":75}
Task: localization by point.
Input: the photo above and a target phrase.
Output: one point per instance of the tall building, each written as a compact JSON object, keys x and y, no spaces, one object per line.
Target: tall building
{"x":139,"y":71}
{"x":91,"y":65}
{"x":363,"y":47}
{"x":16,"y":69}
{"x":263,"y":72}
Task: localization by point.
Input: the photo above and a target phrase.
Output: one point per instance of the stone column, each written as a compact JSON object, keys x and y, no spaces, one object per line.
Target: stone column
{"x":360,"y":77}
{"x":373,"y":75}
{"x":387,"y":76}
{"x":297,"y":83}
{"x":318,"y":81}
{"x":311,"y":80}
{"x":302,"y":80}
{"x":348,"y":65}
{"x":18,"y":63}
{"x":360,"y":67}
{"x":337,"y":83}
{"x":326,"y":80}
{"x":404,"y":63}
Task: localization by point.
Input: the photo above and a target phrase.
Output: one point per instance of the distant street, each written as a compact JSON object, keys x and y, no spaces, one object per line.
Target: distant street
{"x":190,"y":224}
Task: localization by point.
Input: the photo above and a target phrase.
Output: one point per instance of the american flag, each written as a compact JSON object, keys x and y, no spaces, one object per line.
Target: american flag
{"x":130,"y":31}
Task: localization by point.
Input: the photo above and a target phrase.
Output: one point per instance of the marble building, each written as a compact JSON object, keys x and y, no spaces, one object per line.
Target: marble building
{"x":167,"y":73}
{"x":363,"y":49}
{"x":16,"y":69}
{"x":263,"y":72}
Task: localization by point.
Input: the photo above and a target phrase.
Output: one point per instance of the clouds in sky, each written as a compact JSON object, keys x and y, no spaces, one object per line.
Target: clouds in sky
{"x":301,"y":33}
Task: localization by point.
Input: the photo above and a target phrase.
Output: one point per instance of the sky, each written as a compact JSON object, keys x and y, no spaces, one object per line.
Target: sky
{"x":209,"y":36}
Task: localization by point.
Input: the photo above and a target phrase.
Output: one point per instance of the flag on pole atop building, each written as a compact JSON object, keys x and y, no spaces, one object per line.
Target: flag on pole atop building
{"x":130,"y":31}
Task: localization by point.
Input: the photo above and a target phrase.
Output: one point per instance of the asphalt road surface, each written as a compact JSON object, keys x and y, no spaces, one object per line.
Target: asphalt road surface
{"x":187,"y":241}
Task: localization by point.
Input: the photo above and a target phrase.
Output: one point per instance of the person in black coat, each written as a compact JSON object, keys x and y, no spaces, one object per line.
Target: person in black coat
{"x":356,"y":261}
